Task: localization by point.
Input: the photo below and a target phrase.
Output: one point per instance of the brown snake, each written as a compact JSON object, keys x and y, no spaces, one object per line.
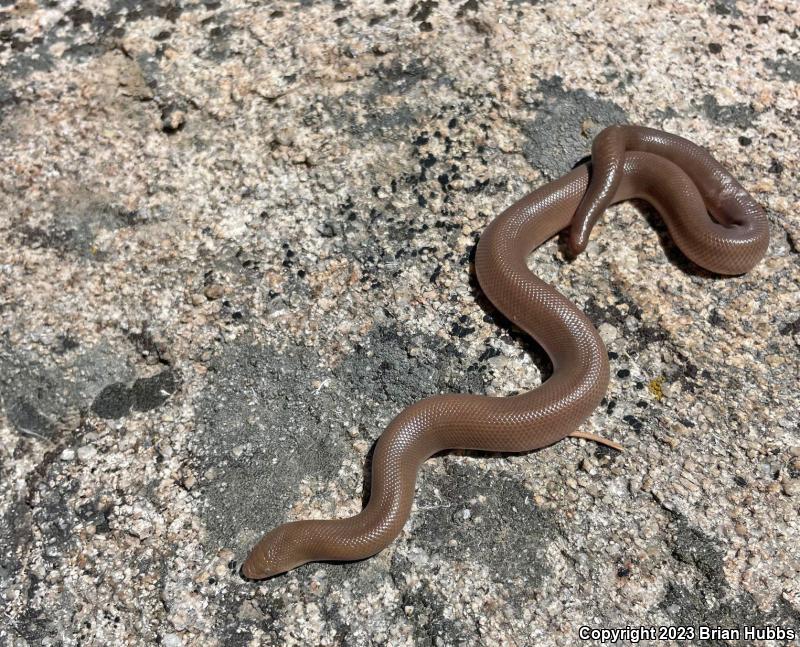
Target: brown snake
{"x":714,"y":221}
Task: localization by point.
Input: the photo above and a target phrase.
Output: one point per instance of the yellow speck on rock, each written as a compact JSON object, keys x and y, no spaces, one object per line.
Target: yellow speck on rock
{"x":654,"y":386}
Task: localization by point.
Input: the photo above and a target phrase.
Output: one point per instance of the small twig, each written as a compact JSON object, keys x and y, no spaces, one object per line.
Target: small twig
{"x":28,"y":432}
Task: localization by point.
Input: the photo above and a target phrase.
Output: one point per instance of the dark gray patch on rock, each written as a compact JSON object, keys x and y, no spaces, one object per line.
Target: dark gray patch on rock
{"x":23,"y":414}
{"x":431,"y":624}
{"x":710,"y":601}
{"x":96,"y":512}
{"x":784,"y":614}
{"x":151,"y":392}
{"x":790,"y":327}
{"x":74,"y":230}
{"x":421,"y":11}
{"x":155,"y":78}
{"x":37,"y":510}
{"x":740,"y":115}
{"x":513,"y":532}
{"x":385,"y":379}
{"x":239,"y":612}
{"x":694,"y":548}
{"x":719,"y":608}
{"x":694,"y":607}
{"x":32,"y":394}
{"x":365,"y":115}
{"x":558,"y":137}
{"x":641,"y":336}
{"x":54,"y":519}
{"x":658,"y":117}
{"x":94,"y":366}
{"x":37,"y":395}
{"x":114,"y":401}
{"x":15,"y":534}
{"x":264,"y":426}
{"x":42,"y":511}
{"x":399,"y":77}
{"x":85,"y":34}
{"x":725,"y":8}
{"x":117,"y":400}
{"x":221,"y":43}
{"x":470,"y":5}
{"x":29,"y":55}
{"x":7,"y":100}
{"x":264,"y":402}
{"x":363,"y":118}
{"x":786,"y":69}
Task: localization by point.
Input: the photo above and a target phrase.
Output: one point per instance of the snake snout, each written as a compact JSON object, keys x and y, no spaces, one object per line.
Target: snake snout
{"x":277,"y":552}
{"x":253,"y":571}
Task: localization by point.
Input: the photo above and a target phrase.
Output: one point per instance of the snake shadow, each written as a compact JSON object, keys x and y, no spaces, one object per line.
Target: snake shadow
{"x":670,"y":249}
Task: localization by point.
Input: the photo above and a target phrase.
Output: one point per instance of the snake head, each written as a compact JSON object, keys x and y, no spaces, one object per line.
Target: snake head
{"x":280,"y":550}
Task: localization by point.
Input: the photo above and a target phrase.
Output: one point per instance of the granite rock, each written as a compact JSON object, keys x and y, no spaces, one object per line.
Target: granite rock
{"x":238,"y":240}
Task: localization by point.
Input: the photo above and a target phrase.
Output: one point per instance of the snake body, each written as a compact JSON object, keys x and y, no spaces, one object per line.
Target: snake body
{"x":714,"y":221}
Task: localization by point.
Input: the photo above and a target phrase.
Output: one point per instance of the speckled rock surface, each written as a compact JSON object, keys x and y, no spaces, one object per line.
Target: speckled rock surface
{"x":237,"y":241}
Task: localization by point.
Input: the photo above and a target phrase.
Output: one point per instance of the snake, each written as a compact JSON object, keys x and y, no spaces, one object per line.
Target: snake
{"x":714,"y":221}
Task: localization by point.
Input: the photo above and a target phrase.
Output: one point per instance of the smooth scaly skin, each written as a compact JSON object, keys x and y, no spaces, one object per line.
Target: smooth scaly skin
{"x":684,"y":183}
